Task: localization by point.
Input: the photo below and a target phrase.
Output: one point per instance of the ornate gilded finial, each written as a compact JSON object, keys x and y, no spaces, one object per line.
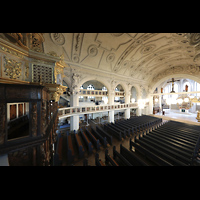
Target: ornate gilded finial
{"x":62,"y":57}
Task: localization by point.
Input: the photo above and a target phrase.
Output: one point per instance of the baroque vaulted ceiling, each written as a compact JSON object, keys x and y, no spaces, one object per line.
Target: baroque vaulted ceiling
{"x":139,"y":56}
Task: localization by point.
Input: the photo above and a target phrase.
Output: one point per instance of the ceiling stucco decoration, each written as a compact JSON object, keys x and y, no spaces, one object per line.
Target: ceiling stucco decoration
{"x":75,"y":58}
{"x":58,"y":38}
{"x":135,"y":56}
{"x":110,"y":58}
{"x":194,"y":38}
{"x":148,"y":48}
{"x":92,"y":50}
{"x":187,"y":69}
{"x":116,"y":34}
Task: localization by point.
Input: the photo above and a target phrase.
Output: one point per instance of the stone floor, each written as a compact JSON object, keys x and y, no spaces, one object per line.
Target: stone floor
{"x":176,"y":115}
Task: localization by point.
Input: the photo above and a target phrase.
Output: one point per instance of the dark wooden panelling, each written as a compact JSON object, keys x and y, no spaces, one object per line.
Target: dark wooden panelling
{"x":24,"y":109}
{"x":2,"y":96}
{"x":20,"y":110}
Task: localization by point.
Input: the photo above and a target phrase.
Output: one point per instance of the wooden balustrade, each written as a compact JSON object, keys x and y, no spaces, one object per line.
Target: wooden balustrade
{"x":70,"y":111}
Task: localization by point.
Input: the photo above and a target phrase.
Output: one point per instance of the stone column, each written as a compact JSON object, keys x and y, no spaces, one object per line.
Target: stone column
{"x":127,"y":113}
{"x":111,"y":98}
{"x":127,"y":100}
{"x":111,"y":116}
{"x":74,"y":102}
{"x":139,"y":110}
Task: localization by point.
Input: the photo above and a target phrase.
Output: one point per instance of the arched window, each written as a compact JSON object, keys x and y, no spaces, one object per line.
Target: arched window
{"x":104,"y":88}
{"x":90,"y":87}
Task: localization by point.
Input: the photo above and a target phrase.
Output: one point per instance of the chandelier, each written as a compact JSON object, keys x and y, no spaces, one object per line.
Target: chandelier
{"x":184,"y":102}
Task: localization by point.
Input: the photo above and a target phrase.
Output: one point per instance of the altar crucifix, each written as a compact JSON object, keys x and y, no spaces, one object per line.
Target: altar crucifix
{"x":172,"y":81}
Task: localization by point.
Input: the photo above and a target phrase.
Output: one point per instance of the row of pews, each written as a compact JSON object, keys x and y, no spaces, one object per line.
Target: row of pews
{"x":131,"y":126}
{"x":152,"y":143}
{"x":124,"y":157}
{"x":172,"y":144}
{"x":90,"y":140}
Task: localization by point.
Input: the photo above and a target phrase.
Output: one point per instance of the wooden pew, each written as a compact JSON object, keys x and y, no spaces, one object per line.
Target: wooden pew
{"x":87,"y":141}
{"x":126,"y":129}
{"x":113,"y":132}
{"x":134,"y":129}
{"x":79,"y":144}
{"x":131,"y":157}
{"x":142,"y":122}
{"x":160,"y":153}
{"x":179,"y":128}
{"x":150,"y":155}
{"x":171,"y":146}
{"x":118,"y":156}
{"x":109,"y":159}
{"x":176,"y":153}
{"x":177,"y":134}
{"x":175,"y":143}
{"x":175,"y":137}
{"x":93,"y":139}
{"x":123,"y":132}
{"x":103,"y":140}
{"x":70,"y":149}
{"x":98,"y":162}
{"x":104,"y":134}
{"x":185,"y":125}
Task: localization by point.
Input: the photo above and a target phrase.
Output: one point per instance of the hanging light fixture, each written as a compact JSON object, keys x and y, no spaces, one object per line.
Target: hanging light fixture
{"x":133,"y":100}
{"x":186,"y":99}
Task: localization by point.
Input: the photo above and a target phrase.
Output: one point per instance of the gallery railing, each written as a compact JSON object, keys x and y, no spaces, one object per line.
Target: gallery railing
{"x":70,"y":111}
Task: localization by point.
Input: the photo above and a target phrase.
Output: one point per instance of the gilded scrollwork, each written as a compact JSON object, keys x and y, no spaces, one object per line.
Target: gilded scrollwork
{"x":12,"y":68}
{"x":27,"y":69}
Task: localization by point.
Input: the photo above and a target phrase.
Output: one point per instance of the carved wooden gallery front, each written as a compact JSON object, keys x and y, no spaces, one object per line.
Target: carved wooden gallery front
{"x":29,"y":92}
{"x":28,"y":139}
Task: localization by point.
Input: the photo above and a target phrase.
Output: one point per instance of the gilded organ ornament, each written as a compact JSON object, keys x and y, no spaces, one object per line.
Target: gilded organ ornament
{"x":12,"y":68}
